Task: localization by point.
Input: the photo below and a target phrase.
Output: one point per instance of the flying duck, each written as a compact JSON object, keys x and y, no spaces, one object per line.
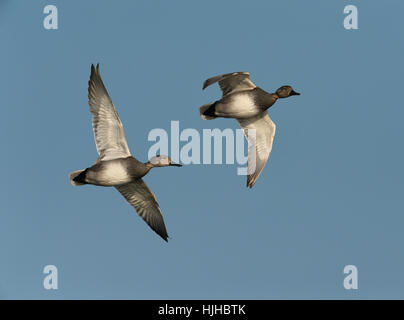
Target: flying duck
{"x":116,"y":167}
{"x":248,"y":104}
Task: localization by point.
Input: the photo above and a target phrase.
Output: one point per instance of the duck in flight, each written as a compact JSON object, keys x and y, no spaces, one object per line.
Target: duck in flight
{"x":116,"y":167}
{"x":248,"y":104}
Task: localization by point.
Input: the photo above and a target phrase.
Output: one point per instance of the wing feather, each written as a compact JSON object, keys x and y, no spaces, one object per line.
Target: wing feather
{"x":231,"y":82}
{"x":258,"y":152}
{"x":108,"y":130}
{"x":138,"y":194}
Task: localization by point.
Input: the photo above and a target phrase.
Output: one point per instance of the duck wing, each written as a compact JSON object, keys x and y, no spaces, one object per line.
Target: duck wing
{"x":138,"y":194}
{"x":231,"y":82}
{"x":258,"y":152}
{"x":108,"y":130}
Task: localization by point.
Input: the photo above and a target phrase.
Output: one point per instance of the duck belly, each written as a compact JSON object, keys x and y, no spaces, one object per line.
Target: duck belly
{"x":240,"y":105}
{"x":108,"y":174}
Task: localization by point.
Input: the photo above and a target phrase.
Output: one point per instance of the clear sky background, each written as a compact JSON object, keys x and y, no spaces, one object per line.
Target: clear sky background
{"x":331,"y":194}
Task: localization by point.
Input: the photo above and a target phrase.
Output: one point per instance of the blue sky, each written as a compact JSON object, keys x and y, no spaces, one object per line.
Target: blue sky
{"x":330,"y":195}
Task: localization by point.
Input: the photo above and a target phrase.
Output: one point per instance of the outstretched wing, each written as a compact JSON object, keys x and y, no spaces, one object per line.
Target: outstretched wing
{"x":231,"y":82}
{"x":108,"y":130}
{"x":138,"y":194}
{"x":264,"y":137}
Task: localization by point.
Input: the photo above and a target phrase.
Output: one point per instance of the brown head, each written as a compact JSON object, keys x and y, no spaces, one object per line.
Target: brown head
{"x":286,"y":91}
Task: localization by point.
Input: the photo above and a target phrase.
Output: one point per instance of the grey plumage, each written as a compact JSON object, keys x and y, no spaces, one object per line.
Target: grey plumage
{"x":138,"y":194}
{"x":108,"y":130}
{"x":231,"y":82}
{"x":248,"y":104}
{"x":116,"y":167}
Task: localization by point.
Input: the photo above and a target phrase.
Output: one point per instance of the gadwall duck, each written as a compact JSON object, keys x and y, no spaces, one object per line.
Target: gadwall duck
{"x":116,"y":167}
{"x":248,"y":104}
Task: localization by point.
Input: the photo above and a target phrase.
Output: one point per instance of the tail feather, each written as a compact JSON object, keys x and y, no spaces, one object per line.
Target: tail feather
{"x":77,"y":178}
{"x":207,"y":111}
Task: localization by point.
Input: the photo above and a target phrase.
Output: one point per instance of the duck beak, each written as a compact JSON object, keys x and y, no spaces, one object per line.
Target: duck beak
{"x":294,"y":93}
{"x":175,"y":164}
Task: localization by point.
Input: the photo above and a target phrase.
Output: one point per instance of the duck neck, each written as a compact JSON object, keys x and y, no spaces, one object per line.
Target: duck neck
{"x":148,"y":165}
{"x":272,"y":97}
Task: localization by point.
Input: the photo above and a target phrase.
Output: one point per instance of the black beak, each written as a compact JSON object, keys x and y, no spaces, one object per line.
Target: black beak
{"x":175,"y":164}
{"x":294,"y":93}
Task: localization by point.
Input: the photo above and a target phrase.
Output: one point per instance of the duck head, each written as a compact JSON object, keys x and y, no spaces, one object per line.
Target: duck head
{"x":286,"y":91}
{"x":162,"y":161}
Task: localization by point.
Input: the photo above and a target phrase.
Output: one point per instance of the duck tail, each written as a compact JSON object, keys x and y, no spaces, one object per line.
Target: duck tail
{"x":77,"y":177}
{"x":208,"y":111}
